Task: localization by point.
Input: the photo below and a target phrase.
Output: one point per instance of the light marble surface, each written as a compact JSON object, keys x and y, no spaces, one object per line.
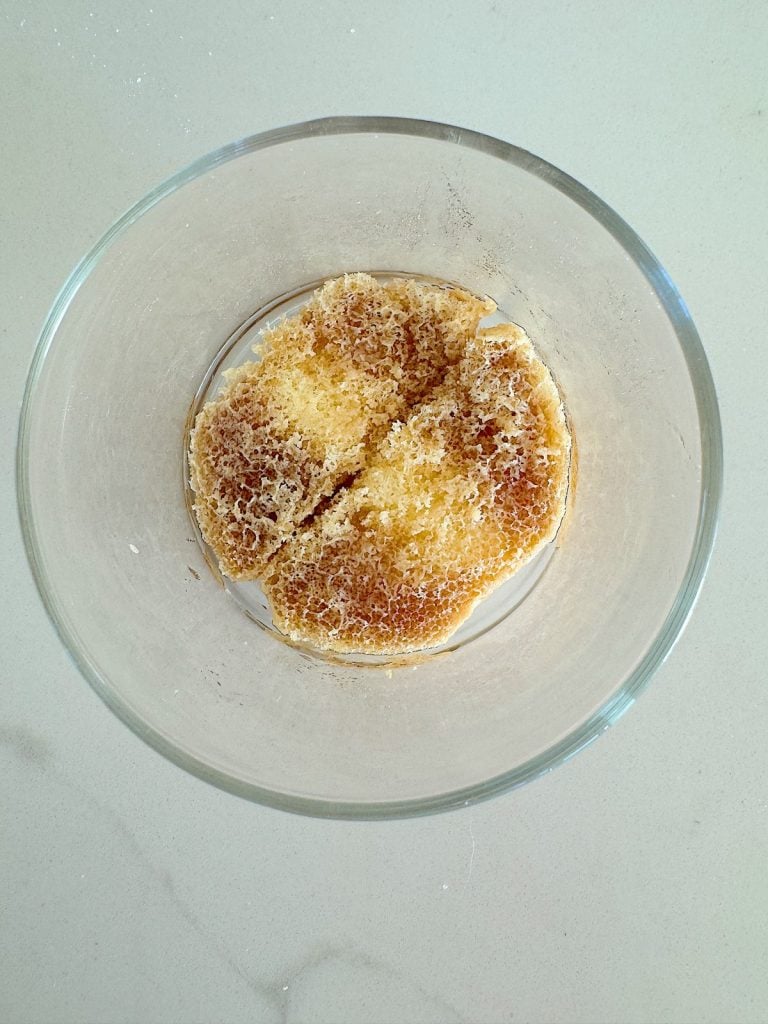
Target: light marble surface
{"x":628,"y":886}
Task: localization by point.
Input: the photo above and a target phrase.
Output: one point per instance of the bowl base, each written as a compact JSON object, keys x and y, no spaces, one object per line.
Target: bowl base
{"x":250,"y":597}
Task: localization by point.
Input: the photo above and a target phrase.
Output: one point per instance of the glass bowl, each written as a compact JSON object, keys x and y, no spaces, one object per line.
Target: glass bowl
{"x":172,"y":294}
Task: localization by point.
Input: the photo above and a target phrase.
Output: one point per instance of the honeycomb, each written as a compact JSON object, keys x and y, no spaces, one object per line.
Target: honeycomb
{"x":384,"y":466}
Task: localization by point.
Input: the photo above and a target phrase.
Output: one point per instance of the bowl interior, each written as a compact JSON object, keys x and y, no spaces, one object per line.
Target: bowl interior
{"x":130,"y":342}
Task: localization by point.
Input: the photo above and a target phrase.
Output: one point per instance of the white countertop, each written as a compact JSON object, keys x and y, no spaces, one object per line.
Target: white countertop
{"x":627,"y":886}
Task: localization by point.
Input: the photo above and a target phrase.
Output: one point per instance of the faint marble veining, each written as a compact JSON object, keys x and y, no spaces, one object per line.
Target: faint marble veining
{"x":341,"y":984}
{"x":26,"y":746}
{"x":329,"y":980}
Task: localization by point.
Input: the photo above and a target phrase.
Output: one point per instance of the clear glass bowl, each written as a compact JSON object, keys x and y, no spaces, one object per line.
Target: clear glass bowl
{"x":141,"y":330}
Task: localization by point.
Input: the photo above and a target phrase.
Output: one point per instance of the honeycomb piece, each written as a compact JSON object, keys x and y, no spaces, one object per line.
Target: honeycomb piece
{"x":287,"y":431}
{"x":452,"y":502}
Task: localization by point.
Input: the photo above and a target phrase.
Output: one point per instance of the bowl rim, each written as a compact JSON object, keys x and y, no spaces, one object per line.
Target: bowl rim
{"x":709,"y":498}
